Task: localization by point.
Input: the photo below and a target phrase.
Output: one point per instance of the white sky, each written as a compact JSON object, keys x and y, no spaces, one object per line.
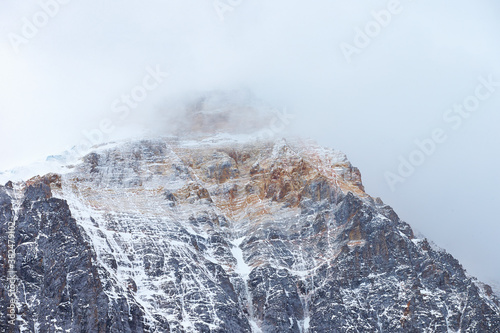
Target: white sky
{"x":65,"y":78}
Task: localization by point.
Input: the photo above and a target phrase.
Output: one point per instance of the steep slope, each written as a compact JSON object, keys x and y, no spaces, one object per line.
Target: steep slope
{"x":225,"y":234}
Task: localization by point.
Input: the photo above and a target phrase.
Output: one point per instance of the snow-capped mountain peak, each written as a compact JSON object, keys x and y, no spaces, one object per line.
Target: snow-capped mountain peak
{"x":227,"y":233}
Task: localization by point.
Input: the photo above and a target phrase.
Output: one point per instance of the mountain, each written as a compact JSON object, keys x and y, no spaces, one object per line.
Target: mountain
{"x":223,"y":233}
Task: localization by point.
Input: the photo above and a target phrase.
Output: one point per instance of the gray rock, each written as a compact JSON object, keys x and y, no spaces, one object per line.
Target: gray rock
{"x":158,"y":236}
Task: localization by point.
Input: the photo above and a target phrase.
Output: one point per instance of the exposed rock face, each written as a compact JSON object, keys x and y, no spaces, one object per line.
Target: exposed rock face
{"x":59,"y":285}
{"x":220,"y":236}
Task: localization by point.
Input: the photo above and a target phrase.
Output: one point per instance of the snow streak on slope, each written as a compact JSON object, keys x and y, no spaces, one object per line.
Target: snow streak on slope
{"x":244,"y":270}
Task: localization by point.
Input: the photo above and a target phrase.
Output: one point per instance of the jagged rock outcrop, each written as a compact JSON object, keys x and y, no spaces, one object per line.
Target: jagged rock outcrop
{"x":218,"y":235}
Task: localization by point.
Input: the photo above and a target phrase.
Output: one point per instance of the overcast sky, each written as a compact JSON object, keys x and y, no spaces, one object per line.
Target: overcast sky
{"x":368,"y":79}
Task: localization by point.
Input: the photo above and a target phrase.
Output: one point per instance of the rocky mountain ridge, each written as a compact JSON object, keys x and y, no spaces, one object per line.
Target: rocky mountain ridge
{"x":225,"y":234}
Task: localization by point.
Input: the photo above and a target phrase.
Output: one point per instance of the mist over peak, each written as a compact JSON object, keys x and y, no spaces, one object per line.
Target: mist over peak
{"x":206,"y":113}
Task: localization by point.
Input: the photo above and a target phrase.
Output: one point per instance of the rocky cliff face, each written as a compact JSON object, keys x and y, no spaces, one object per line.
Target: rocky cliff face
{"x":221,"y":235}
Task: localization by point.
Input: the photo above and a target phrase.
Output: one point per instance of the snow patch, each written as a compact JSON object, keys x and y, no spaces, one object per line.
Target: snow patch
{"x":39,"y":168}
{"x":242,"y":268}
{"x":255,"y":327}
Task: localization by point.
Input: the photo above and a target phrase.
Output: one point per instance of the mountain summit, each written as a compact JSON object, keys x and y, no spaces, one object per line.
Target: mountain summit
{"x":223,"y":233}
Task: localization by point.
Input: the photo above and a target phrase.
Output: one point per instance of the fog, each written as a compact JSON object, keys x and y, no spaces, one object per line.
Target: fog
{"x":407,"y":89}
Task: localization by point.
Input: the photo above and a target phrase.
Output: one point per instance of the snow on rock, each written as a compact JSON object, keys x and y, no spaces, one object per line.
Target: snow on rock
{"x":228,"y":233}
